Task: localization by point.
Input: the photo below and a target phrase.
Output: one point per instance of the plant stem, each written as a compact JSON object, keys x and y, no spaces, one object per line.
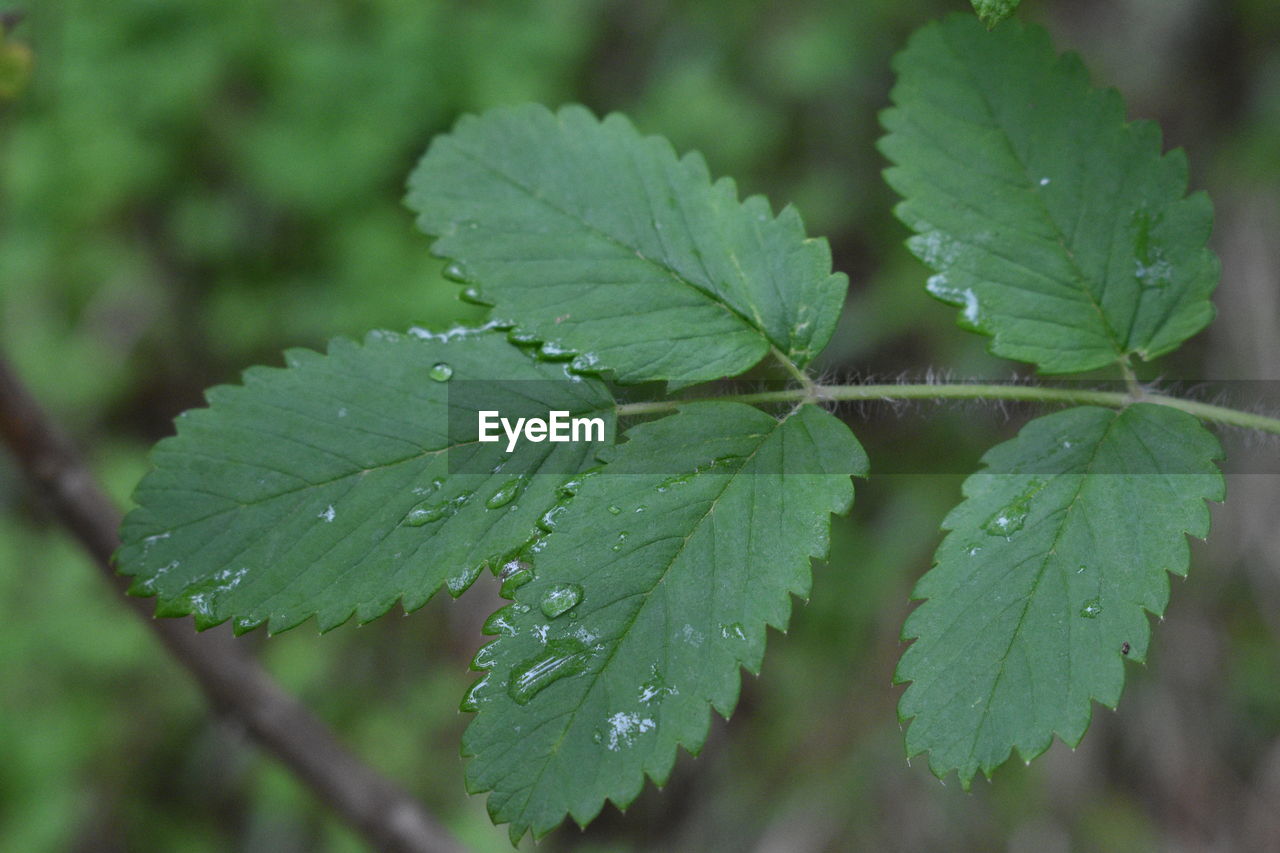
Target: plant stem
{"x":971,"y":391}
{"x":791,"y":367}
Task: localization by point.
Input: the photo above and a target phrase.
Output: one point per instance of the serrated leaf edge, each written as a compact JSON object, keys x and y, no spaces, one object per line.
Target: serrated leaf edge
{"x":1179,"y":569}
{"x":692,"y":745}
{"x":177,"y":608}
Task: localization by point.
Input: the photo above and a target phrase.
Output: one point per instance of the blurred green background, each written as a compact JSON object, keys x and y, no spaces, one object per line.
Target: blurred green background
{"x":189,"y":186}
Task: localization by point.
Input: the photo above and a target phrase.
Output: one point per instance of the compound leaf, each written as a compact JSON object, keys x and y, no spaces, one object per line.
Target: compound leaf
{"x":340,"y":484}
{"x":653,"y":588}
{"x":601,"y":242}
{"x":1061,"y":230}
{"x":1043,"y":584}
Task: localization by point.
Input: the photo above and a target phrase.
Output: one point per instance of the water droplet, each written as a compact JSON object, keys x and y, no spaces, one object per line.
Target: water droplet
{"x":499,"y":622}
{"x":1157,"y":273}
{"x":441,"y":372}
{"x":471,"y":701}
{"x":245,"y":625}
{"x":514,"y":578}
{"x":472,"y":296}
{"x":506,"y":493}
{"x":461,"y":582}
{"x":614,"y":509}
{"x":623,"y":728}
{"x":456,"y":271}
{"x":1005,"y":522}
{"x":429,"y":511}
{"x":964,"y":297}
{"x":678,"y":480}
{"x":733,"y":630}
{"x":484,"y":656}
{"x":1081,"y":570}
{"x":622,"y":537}
{"x":569,"y":488}
{"x":655,"y":688}
{"x":202,"y":598}
{"x":1044,"y":182}
{"x":548,"y":520}
{"x":560,"y":599}
{"x":561,"y":658}
{"x":328,"y":515}
{"x":1092,"y":608}
{"x":518,"y":337}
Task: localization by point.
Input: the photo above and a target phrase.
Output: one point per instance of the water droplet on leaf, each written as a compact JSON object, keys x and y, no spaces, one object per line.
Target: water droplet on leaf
{"x":506,"y":493}
{"x":461,"y":582}
{"x":560,"y":599}
{"x":515,"y":579}
{"x":548,"y":520}
{"x":561,"y":658}
{"x":678,"y":480}
{"x":471,"y":701}
{"x":1007,"y":521}
{"x":429,"y":511}
{"x":472,"y":296}
{"x":1092,"y":608}
{"x":499,"y":622}
{"x":484,"y":656}
{"x":655,"y":688}
{"x":441,"y":372}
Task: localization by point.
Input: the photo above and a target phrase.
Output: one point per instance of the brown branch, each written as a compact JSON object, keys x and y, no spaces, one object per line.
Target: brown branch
{"x":383,"y":814}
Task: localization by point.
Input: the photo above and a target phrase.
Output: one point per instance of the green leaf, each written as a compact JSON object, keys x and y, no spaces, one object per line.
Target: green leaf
{"x":653,"y":588}
{"x":599,"y":241}
{"x":337,"y":486}
{"x":1042,"y":587}
{"x":1059,"y":228}
{"x":992,"y":12}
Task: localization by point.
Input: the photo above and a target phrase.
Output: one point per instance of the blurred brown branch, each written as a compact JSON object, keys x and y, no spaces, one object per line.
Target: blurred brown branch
{"x":384,"y":815}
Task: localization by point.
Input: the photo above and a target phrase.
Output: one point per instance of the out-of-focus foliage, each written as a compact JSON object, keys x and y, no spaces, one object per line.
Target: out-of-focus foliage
{"x":188,"y":187}
{"x":15,"y":62}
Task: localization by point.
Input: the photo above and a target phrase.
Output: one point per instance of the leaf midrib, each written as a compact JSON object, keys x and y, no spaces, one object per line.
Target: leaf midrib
{"x":676,"y":275}
{"x":1040,"y":575}
{"x":1120,"y":350}
{"x":595,"y":679}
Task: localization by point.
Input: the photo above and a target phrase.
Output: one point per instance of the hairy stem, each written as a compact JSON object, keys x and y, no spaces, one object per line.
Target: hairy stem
{"x":795,"y":370}
{"x":971,"y":391}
